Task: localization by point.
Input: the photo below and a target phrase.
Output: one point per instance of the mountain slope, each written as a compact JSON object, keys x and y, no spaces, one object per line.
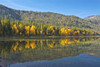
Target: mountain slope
{"x":94,"y":19}
{"x":9,"y":13}
{"x":45,"y":17}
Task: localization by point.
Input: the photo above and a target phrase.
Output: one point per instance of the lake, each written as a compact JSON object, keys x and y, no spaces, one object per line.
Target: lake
{"x":54,"y":52}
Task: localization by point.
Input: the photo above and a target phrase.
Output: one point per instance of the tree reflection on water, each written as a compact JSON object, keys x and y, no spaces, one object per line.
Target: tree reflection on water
{"x":46,"y":49}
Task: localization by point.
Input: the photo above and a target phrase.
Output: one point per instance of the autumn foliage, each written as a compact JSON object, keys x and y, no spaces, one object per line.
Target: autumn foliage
{"x":17,"y":28}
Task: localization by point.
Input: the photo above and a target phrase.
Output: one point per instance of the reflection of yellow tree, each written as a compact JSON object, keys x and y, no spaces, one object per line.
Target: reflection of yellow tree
{"x":33,"y":45}
{"x":41,"y":42}
{"x":66,"y":41}
{"x":47,"y":42}
{"x":63,"y":42}
{"x":83,"y":39}
{"x":69,"y":42}
{"x":52,"y":44}
{"x":30,"y":44}
{"x":15,"y":47}
{"x":77,"y":40}
{"x":27,"y":45}
{"x":20,"y":48}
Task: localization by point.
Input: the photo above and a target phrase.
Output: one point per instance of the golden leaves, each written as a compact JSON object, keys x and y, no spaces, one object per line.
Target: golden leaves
{"x":33,"y":45}
{"x":64,"y":31}
{"x":27,"y":45}
{"x":20,"y":26}
{"x":64,"y":42}
{"x":51,"y":28}
{"x":15,"y":47}
{"x":30,"y":30}
{"x":52,"y":44}
{"x":30,"y":44}
{"x":15,"y":28}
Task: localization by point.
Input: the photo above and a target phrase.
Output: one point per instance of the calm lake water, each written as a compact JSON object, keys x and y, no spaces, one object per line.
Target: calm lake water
{"x":60,"y":52}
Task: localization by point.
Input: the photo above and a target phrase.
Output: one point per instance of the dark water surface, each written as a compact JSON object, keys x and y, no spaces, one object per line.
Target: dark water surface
{"x":63,"y":52}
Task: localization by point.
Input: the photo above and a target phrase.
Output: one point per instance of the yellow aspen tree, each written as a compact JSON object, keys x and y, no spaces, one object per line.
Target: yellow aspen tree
{"x":62,"y":31}
{"x":69,"y":31}
{"x":37,"y":32}
{"x":75,"y":32}
{"x":53,"y":31}
{"x":32,"y":30}
{"x":66,"y":32}
{"x":83,"y":32}
{"x":15,"y":28}
{"x":27,"y":28}
{"x":20,"y":33}
{"x":41,"y":32}
{"x":51,"y":27}
{"x":20,"y":26}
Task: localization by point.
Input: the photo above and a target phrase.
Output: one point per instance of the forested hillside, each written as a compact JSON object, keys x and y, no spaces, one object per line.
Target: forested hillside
{"x":95,"y":20}
{"x":46,"y":17}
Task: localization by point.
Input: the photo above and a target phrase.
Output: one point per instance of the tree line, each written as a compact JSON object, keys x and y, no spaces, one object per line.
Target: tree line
{"x":17,"y":28}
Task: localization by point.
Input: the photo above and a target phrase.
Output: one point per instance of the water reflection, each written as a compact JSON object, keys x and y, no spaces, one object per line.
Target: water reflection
{"x":20,"y":51}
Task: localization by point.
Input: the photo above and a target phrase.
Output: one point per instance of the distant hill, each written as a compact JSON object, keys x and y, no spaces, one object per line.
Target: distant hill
{"x":94,"y":19}
{"x":46,"y":17}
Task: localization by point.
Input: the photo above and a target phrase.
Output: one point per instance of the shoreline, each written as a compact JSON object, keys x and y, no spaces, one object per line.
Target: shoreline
{"x":44,"y":37}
